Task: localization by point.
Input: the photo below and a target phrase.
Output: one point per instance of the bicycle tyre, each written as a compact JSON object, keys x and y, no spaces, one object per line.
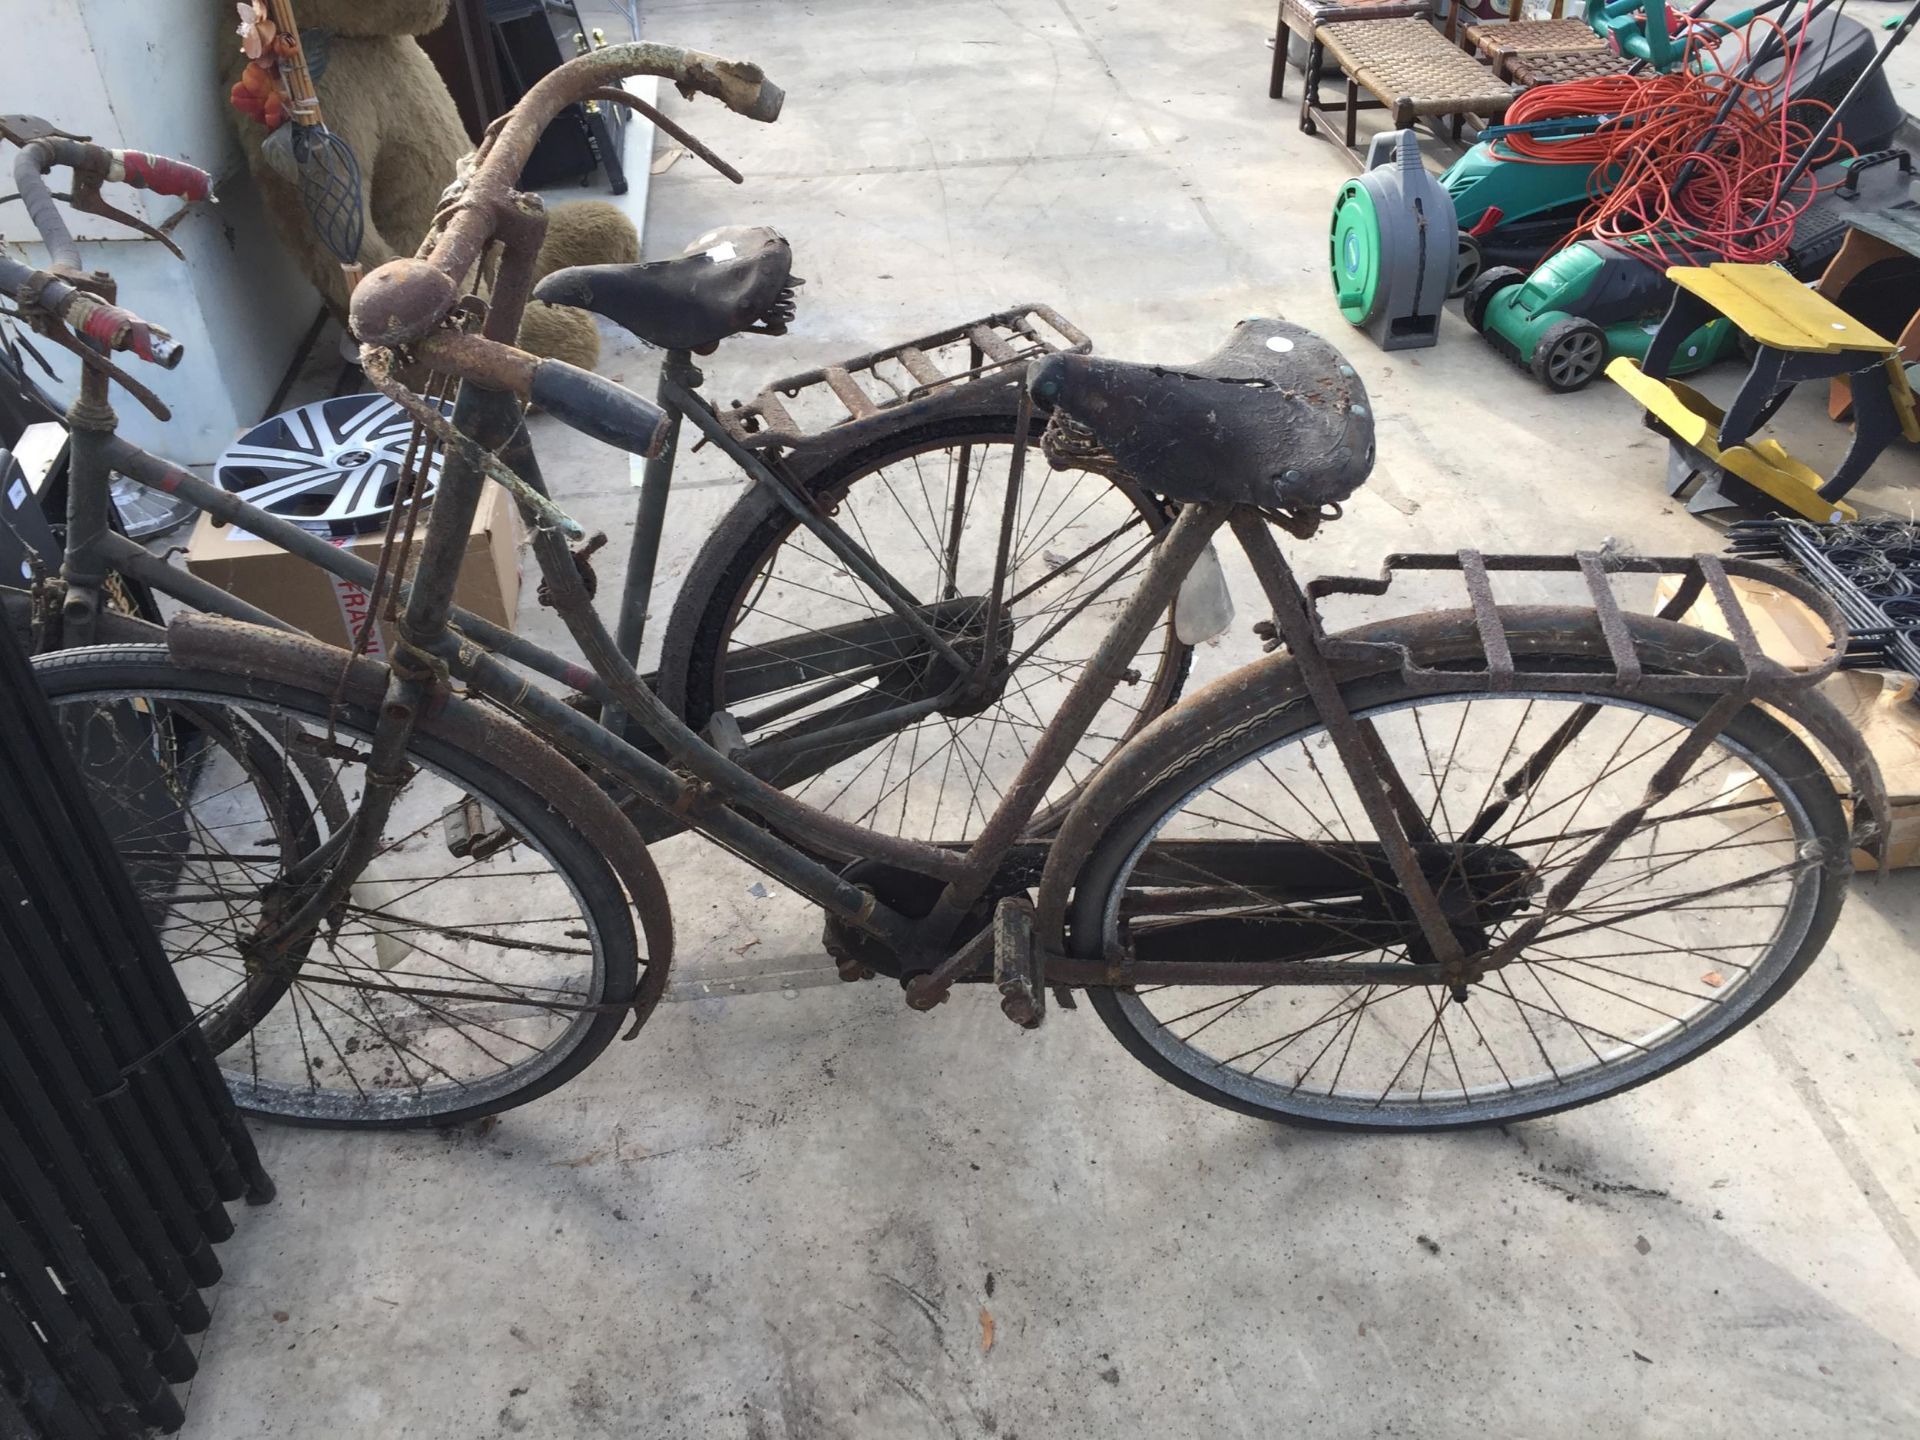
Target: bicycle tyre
{"x":1228,"y":730}
{"x":99,"y":674}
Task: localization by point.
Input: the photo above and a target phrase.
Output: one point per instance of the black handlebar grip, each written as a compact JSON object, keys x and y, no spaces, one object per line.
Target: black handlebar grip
{"x":596,"y":406}
{"x":766,"y":106}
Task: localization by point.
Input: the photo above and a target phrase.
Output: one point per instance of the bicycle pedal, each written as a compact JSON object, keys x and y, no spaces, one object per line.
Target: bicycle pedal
{"x":1016,"y":964}
{"x":473,"y":831}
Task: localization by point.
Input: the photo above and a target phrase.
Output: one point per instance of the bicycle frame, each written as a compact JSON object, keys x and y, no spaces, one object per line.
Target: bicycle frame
{"x":840,"y":657}
{"x":94,"y":549}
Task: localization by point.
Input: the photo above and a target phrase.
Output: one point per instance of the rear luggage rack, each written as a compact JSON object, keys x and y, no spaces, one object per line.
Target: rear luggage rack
{"x":988,"y":353}
{"x":1758,"y":677}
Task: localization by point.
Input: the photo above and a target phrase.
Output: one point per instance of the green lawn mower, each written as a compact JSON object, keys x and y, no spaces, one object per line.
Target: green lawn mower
{"x":1587,"y":304}
{"x":1595,"y":300}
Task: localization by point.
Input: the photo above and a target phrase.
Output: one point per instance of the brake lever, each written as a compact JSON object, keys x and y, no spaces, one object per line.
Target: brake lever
{"x":697,"y":147}
{"x":59,"y":334}
{"x":86,"y":196}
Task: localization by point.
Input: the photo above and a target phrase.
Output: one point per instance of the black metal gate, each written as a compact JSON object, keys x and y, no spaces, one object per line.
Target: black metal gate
{"x":119,"y":1144}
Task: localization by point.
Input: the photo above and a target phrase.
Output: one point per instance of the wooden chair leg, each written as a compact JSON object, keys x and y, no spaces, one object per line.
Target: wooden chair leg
{"x":1459,"y":121}
{"x":1310,"y":86}
{"x":1353,"y":113}
{"x":1277,"y":84}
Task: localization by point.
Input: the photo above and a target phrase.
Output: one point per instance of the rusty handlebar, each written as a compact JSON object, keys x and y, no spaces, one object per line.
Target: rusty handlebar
{"x":405,"y":300}
{"x":137,"y":168}
{"x":64,"y":292}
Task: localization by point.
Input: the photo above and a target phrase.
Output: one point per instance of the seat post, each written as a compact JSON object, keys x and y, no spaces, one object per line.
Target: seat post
{"x":651,"y":516}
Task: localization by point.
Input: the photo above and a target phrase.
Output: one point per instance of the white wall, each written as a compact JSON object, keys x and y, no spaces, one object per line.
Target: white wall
{"x":144,"y":74}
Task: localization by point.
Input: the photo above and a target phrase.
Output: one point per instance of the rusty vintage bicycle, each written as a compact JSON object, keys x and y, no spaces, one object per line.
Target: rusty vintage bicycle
{"x":1475,"y":863}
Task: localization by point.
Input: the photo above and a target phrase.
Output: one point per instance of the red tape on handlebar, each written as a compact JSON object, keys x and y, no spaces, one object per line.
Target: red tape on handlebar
{"x":161,"y":175}
{"x":116,"y":329}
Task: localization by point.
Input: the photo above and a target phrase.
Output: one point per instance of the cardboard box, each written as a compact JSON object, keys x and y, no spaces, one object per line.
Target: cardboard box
{"x":1879,"y":704}
{"x":330,"y":608}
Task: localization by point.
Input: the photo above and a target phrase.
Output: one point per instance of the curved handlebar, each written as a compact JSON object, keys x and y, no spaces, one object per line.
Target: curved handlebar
{"x":30,"y":168}
{"x":404,"y":300}
{"x":99,"y":320}
{"x":137,"y":168}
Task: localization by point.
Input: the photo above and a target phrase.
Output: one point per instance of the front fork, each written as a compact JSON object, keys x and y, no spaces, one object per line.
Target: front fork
{"x":83,"y":567}
{"x":415,"y":678}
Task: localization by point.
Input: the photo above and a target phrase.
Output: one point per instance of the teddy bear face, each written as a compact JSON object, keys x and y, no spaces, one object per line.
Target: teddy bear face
{"x":373,"y":17}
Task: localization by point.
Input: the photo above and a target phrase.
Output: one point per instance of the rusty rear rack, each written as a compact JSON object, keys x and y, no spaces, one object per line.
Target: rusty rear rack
{"x":839,"y":401}
{"x":1759,"y":676}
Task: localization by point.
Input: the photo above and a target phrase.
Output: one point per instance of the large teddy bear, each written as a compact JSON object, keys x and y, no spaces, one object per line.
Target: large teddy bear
{"x":381,"y":94}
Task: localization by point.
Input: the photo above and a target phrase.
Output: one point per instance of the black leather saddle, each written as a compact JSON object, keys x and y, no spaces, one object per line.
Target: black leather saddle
{"x":1276,"y":417}
{"x":726,"y":282}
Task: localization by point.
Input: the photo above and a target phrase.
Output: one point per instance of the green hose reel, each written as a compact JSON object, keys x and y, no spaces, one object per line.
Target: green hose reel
{"x":1394,"y":246}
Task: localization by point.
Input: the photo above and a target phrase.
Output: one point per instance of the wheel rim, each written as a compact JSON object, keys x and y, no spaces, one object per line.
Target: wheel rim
{"x":1080,"y":540}
{"x":1467,"y":266}
{"x":332,"y":466}
{"x":426,"y":1001}
{"x":1418,"y":1057}
{"x":1576,"y":359}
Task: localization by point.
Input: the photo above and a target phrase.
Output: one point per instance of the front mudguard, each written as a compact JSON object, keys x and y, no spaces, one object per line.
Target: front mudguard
{"x":233,"y":647}
{"x":1253,"y":694}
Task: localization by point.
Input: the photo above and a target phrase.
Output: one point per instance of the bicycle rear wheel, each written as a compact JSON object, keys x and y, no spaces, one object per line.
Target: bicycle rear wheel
{"x":447,"y":985}
{"x":1712,"y":908}
{"x":927,"y":503}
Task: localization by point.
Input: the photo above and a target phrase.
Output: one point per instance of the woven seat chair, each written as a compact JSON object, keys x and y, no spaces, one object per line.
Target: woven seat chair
{"x":1298,"y":17}
{"x":1527,"y":71}
{"x":1409,"y":69}
{"x":1500,"y":43}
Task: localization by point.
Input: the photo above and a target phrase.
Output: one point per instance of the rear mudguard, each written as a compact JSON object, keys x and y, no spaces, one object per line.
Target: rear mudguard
{"x":231,"y":647}
{"x":1253,"y":693}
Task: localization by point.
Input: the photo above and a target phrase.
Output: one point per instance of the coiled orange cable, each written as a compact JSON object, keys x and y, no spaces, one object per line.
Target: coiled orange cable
{"x":1732,"y":206}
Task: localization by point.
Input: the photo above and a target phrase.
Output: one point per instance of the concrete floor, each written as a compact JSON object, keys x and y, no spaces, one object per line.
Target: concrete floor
{"x":793,"y":1208}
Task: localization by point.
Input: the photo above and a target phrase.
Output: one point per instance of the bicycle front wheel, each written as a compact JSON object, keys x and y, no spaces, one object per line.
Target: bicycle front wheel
{"x":1254,"y":847}
{"x":479,"y":961}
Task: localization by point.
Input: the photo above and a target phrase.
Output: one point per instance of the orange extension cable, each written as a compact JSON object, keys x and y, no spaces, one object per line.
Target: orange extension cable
{"x":1659,"y":120}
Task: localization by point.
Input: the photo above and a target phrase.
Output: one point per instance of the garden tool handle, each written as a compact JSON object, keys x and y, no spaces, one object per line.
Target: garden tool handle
{"x":405,"y":300}
{"x":305,"y":109}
